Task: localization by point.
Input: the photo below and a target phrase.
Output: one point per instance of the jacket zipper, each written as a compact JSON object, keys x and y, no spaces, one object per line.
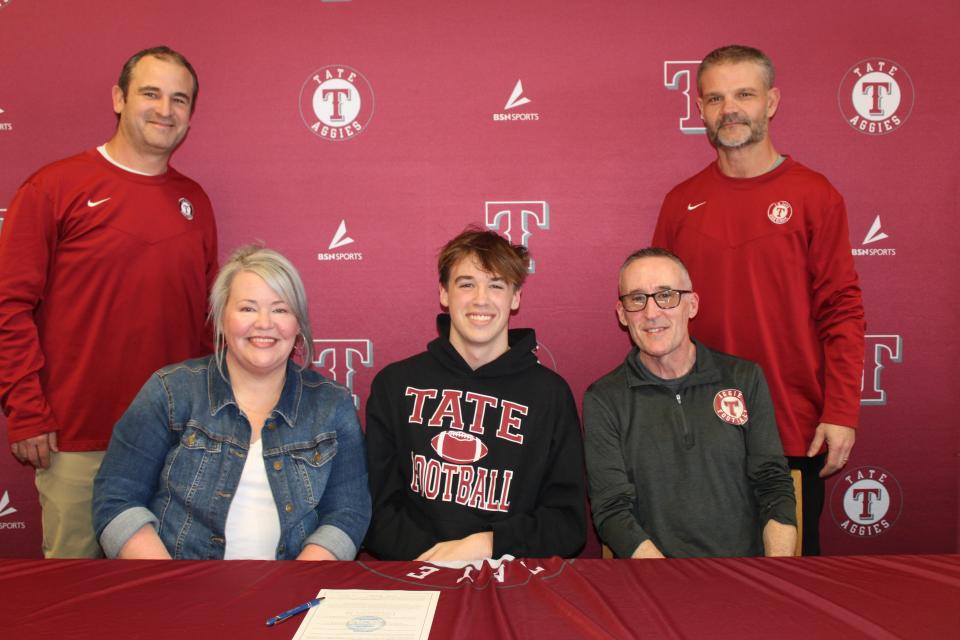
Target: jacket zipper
{"x":687,"y":437}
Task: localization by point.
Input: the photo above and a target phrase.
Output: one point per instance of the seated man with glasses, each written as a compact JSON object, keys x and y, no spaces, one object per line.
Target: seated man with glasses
{"x":682,"y":450}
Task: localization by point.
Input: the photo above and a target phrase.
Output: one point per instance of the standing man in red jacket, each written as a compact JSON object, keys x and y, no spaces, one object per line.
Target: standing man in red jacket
{"x":766,"y":241}
{"x":106,"y":258}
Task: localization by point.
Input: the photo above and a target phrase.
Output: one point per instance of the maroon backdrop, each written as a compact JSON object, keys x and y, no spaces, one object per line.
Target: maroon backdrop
{"x":562,"y":124}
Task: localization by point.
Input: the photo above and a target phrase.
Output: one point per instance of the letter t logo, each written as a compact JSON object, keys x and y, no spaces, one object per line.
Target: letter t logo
{"x":875,"y":90}
{"x":681,"y":75}
{"x":502,"y":214}
{"x":337,"y":96}
{"x":866,"y":497}
{"x":340,"y":359}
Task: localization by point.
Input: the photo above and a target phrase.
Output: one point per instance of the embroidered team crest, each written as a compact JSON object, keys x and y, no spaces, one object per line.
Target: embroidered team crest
{"x":186,"y":209}
{"x":780,"y":212}
{"x":730,"y":407}
{"x":458,"y":447}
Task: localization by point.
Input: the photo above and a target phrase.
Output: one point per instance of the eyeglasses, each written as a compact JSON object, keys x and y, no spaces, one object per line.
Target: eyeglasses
{"x":665,"y":299}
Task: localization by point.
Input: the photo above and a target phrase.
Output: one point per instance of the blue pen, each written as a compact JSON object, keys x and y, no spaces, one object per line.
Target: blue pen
{"x":292,"y":612}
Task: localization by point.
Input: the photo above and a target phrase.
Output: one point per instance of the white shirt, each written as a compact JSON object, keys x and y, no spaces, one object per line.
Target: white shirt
{"x":253,"y":525}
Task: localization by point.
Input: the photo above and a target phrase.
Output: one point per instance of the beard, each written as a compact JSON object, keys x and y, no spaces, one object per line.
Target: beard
{"x":758,"y":131}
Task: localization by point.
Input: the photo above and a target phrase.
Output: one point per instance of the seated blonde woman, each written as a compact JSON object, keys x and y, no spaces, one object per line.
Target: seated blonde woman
{"x":244,"y":453}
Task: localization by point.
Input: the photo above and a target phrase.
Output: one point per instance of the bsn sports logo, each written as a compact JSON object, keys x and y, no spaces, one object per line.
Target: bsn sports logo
{"x":876,"y":96}
{"x":341,"y":358}
{"x":880,"y":350}
{"x":340,"y":239}
{"x":7,"y":510}
{"x":5,"y":126}
{"x":516,"y":99}
{"x":681,"y":75}
{"x":866,"y":501}
{"x":874,"y":234}
{"x":336,"y":102}
{"x":500,"y":216}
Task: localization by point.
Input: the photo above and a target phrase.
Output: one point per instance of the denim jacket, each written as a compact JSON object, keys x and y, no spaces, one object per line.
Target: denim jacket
{"x":176,"y":455}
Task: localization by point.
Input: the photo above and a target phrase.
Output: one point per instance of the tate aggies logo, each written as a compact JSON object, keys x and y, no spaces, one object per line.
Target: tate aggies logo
{"x":516,"y":99}
{"x":7,"y":510}
{"x":186,"y":208}
{"x":874,"y":234}
{"x":500,"y":215}
{"x":866,"y":502}
{"x":341,"y":358}
{"x":681,"y":75}
{"x":780,"y":212}
{"x":876,"y":96}
{"x":730,"y":407}
{"x":4,"y":126}
{"x":340,"y":239}
{"x":336,"y":102}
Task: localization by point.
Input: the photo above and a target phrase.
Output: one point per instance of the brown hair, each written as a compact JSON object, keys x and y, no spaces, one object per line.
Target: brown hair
{"x":494,"y":253}
{"x":163,"y":53}
{"x":733,"y":53}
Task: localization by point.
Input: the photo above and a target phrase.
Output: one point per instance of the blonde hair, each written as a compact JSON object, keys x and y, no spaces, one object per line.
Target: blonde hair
{"x":279,"y":274}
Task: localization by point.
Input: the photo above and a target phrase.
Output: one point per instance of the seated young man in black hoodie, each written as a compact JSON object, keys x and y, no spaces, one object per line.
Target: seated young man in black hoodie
{"x":474,"y":448}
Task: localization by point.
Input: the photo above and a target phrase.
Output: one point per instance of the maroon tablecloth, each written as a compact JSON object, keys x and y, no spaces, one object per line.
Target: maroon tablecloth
{"x":876,"y":597}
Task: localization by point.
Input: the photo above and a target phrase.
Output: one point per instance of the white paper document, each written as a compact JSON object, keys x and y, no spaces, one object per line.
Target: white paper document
{"x":368,"y":613}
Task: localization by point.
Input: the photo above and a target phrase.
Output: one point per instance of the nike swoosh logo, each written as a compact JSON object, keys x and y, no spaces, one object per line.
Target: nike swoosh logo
{"x":91,"y":203}
{"x":691,"y":206}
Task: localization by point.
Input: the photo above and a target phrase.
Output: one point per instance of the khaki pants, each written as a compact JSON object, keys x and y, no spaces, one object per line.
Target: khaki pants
{"x":66,"y":498}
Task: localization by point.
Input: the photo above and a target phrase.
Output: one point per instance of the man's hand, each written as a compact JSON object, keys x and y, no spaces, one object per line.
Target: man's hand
{"x":477,"y":546}
{"x":36,"y":450}
{"x":839,"y":445}
{"x":647,"y":550}
{"x":779,"y":539}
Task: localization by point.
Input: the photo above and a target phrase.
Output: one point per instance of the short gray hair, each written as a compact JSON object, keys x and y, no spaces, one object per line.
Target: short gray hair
{"x":734,"y":53}
{"x":655,"y":252}
{"x":279,"y":274}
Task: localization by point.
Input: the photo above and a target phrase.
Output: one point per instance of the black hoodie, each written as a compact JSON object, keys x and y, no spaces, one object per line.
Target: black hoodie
{"x":438,"y":473}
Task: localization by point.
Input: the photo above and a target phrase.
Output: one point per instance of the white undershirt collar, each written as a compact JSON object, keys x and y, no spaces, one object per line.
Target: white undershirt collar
{"x":103,"y":151}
